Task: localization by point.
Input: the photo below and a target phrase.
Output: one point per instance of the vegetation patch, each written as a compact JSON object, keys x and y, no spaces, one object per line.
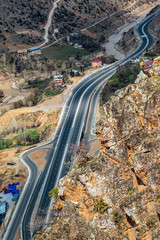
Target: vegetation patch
{"x":124,"y":76}
{"x":116,"y":216}
{"x":53,"y":193}
{"x":63,"y":52}
{"x":23,"y":138}
{"x":151,"y":53}
{"x":100,"y":206}
{"x":53,"y":93}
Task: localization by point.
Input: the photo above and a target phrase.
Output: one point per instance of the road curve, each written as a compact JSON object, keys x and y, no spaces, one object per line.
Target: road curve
{"x":68,"y":132}
{"x":74,"y":124}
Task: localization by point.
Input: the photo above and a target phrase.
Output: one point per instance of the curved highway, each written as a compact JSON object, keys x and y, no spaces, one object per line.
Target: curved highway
{"x":68,"y":132}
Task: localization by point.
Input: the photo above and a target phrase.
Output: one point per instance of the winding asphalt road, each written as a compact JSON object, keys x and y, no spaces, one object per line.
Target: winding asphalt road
{"x":69,"y":132}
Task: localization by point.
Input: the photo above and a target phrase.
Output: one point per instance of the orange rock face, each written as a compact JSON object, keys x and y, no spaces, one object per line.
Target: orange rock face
{"x":117,"y":195}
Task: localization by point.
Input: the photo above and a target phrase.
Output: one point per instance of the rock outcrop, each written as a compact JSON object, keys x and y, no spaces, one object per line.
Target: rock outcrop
{"x":117,"y":195}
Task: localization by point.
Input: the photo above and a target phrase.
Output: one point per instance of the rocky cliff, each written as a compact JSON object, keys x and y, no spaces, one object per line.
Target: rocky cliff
{"x":116,"y":196}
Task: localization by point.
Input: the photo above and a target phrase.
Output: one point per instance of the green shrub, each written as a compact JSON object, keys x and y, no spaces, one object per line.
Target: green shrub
{"x":100,"y":206}
{"x":116,"y":216}
{"x":17,"y":175}
{"x":53,"y":193}
{"x":124,"y":76}
{"x":8,"y":143}
{"x":33,"y":135}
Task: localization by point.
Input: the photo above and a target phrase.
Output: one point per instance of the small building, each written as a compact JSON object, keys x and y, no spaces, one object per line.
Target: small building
{"x":58,"y":80}
{"x":145,"y":60}
{"x":58,"y":76}
{"x":145,"y":67}
{"x":74,"y":72}
{"x":77,"y":45}
{"x":150,"y":62}
{"x":74,"y":34}
{"x":34,"y":50}
{"x":56,"y":30}
{"x":22,"y":52}
{"x":135,"y":60}
{"x":3,"y":210}
{"x":96,"y":63}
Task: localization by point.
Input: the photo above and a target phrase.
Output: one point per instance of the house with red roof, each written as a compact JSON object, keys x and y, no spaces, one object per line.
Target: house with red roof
{"x":145,"y":67}
{"x":150,"y":62}
{"x":148,"y":65}
{"x":135,"y":59}
{"x":96,"y":63}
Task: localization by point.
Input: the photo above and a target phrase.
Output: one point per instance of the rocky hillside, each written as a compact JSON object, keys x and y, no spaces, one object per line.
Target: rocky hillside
{"x":72,"y":15}
{"x":23,"y":14}
{"x":116,"y":196}
{"x":155,"y":28}
{"x":130,"y":41}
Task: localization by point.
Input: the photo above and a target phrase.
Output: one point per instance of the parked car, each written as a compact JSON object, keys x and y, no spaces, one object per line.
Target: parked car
{"x":11,"y":163}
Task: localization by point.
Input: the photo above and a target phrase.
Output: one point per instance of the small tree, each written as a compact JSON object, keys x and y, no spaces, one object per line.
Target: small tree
{"x":53,"y":193}
{"x":116,"y":216}
{"x":33,"y":135}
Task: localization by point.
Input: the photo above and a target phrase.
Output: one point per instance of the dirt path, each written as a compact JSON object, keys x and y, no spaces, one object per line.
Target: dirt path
{"x":48,"y":24}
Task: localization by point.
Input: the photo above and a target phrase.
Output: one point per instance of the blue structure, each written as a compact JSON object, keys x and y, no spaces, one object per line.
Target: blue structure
{"x":12,"y":189}
{"x":15,"y":197}
{"x":3,"y":210}
{"x":34,"y":49}
{"x":7,"y":191}
{"x":74,"y":34}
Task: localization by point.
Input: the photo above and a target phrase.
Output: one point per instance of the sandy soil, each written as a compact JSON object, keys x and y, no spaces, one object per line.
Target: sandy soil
{"x":38,"y":158}
{"x":110,"y":46}
{"x":95,"y":147}
{"x":8,"y":172}
{"x":9,"y":91}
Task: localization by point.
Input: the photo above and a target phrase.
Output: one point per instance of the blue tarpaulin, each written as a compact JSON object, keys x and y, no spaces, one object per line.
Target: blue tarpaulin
{"x":34,"y":49}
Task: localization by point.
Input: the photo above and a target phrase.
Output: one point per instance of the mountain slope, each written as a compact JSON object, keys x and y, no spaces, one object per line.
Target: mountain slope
{"x":23,"y":14}
{"x":72,"y":15}
{"x":116,"y":196}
